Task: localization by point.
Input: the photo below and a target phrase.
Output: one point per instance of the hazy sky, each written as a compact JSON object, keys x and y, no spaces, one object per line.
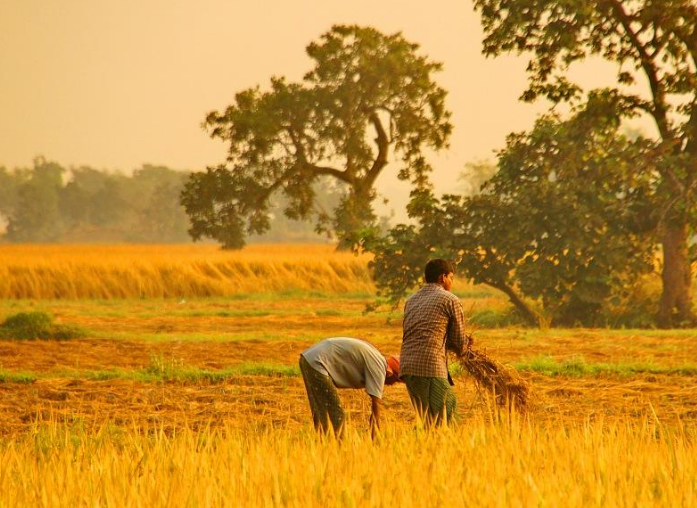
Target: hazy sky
{"x":115,"y":84}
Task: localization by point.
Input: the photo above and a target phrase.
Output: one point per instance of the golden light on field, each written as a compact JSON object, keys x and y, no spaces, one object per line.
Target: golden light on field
{"x":479,"y":464}
{"x":198,"y":402}
{"x":155,"y":271}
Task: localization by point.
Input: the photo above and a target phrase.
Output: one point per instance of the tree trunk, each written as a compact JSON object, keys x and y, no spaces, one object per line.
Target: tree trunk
{"x":353,"y":215}
{"x":675,"y":307}
{"x":528,"y":314}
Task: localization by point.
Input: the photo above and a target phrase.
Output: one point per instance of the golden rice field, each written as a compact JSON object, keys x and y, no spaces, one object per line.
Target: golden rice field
{"x":481,"y":464}
{"x":170,"y":271}
{"x":194,"y":399}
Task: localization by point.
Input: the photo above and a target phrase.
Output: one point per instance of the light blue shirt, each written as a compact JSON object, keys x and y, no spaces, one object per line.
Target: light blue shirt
{"x":350,"y":363}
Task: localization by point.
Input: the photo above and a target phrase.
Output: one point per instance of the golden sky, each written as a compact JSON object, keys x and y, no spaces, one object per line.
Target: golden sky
{"x":118,"y":83}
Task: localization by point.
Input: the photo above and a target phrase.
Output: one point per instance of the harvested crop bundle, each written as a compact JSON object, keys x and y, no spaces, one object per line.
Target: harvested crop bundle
{"x":508,"y":388}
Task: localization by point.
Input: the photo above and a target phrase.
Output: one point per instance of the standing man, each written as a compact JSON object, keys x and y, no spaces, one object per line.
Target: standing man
{"x":433,"y":322}
{"x":342,"y":362}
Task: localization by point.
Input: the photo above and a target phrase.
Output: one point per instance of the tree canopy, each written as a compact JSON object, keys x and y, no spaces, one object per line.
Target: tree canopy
{"x":50,"y":203}
{"x":368,"y":97}
{"x":650,"y":41}
{"x":559,"y":223}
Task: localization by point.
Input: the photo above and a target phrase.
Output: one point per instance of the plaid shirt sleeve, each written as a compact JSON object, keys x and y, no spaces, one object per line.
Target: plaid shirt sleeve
{"x":457,"y":340}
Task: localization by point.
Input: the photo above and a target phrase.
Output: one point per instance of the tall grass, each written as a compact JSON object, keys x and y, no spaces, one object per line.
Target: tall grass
{"x":156,"y":271}
{"x":477,"y":464}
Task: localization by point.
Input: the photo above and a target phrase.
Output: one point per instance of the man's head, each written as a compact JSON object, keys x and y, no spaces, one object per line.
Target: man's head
{"x":392,"y":374}
{"x":440,"y":271}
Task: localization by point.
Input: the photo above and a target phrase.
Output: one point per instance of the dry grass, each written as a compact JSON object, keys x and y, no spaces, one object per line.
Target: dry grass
{"x":137,"y":271}
{"x":504,"y":383}
{"x":73,"y":438}
{"x":223,"y":333}
{"x":512,"y":463}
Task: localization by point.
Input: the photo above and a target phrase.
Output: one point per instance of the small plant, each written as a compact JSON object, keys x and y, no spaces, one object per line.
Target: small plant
{"x":164,"y":368}
{"x":37,"y":325}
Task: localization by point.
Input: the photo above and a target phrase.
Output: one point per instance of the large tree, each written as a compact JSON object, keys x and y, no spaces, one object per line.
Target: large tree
{"x":368,"y":97}
{"x":650,"y":41}
{"x":559,"y":223}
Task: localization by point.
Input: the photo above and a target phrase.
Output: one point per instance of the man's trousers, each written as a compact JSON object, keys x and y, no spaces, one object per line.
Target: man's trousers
{"x":433,"y":399}
{"x":324,"y":399}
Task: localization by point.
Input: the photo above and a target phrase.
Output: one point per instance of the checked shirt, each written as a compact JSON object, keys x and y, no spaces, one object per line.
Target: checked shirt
{"x":433,"y":322}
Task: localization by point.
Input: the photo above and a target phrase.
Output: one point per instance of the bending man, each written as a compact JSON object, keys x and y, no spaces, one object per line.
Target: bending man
{"x":433,"y":322}
{"x":342,"y":362}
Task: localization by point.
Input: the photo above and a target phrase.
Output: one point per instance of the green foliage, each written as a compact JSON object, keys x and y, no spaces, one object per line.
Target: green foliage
{"x":16,"y":377}
{"x":48,"y":203}
{"x":283,"y":228}
{"x":37,"y":325}
{"x":160,"y":215}
{"x":578,"y":367}
{"x":368,"y":93}
{"x":27,"y":325}
{"x":36,"y":214}
{"x":650,"y":41}
{"x":9,"y":181}
{"x":575,"y":210}
{"x":562,"y":222}
{"x":494,"y":318}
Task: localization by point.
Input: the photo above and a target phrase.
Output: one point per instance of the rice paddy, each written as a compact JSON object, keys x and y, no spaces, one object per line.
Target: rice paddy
{"x":190,"y":399}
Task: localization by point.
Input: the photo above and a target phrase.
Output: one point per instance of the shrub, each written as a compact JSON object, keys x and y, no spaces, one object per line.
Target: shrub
{"x":27,"y":325}
{"x":67,"y":332}
{"x":37,"y":325}
{"x":495,"y":318}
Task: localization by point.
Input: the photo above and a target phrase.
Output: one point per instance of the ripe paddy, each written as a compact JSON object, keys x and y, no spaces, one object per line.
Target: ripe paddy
{"x":201,"y":395}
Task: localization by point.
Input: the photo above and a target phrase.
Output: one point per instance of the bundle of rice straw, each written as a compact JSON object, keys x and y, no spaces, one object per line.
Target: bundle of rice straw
{"x":508,"y":388}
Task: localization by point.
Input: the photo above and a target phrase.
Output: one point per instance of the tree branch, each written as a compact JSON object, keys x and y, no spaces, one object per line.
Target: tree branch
{"x":659,"y":111}
{"x":383,"y":147}
{"x":318,"y":170}
{"x":326,"y":170}
{"x":523,"y":308}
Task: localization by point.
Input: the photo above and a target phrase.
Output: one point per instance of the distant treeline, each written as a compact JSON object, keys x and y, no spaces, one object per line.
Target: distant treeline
{"x":49,"y":203}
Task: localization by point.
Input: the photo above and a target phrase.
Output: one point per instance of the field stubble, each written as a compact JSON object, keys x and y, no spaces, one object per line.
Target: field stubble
{"x":83,"y":429}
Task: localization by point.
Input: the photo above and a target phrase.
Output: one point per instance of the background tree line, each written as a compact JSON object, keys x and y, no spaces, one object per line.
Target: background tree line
{"x":49,"y":203}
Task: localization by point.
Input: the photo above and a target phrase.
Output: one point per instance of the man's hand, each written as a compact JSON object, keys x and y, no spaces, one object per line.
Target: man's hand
{"x":376,"y":403}
{"x":470,"y":340}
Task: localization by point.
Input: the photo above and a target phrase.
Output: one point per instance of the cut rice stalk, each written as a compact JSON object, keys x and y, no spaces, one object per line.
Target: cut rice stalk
{"x":508,"y":388}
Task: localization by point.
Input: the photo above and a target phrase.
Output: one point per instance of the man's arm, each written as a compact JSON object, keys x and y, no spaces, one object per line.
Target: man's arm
{"x":376,"y":404}
{"x":458,"y":340}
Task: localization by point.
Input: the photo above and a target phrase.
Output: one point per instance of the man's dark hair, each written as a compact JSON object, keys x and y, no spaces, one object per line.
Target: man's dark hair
{"x":437,"y":267}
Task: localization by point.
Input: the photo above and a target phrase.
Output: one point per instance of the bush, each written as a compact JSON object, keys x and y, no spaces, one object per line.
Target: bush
{"x":67,"y":332}
{"x":37,"y":325}
{"x":495,"y":318}
{"x":27,"y":325}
